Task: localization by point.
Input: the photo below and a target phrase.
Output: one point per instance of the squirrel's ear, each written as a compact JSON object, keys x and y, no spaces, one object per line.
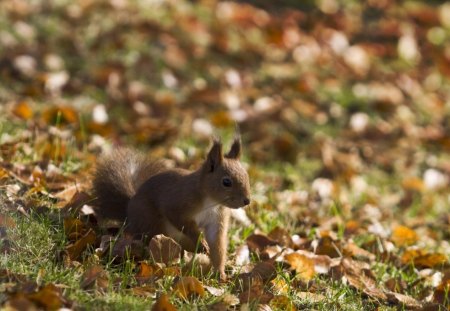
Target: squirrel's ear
{"x":235,"y":150}
{"x":214,"y":158}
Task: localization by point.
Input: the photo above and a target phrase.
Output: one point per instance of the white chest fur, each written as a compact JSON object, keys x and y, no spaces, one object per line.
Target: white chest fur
{"x":209,"y":213}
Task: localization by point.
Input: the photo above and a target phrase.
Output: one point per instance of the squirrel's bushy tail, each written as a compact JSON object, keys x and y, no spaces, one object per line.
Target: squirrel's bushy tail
{"x":117,"y":177}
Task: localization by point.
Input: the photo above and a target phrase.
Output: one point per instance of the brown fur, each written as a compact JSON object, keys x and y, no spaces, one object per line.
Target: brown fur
{"x":179,"y":203}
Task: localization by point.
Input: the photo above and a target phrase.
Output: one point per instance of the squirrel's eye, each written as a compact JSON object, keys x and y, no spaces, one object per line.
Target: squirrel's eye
{"x":227,"y":182}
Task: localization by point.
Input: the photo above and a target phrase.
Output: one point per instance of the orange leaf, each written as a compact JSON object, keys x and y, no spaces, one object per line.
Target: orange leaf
{"x":188,"y":286}
{"x":163,"y":304}
{"x":403,"y":236}
{"x":303,"y":265}
{"x":49,"y":297}
{"x":23,"y":110}
{"x":60,"y":115}
{"x":413,"y":183}
{"x":422,"y":259}
{"x":74,"y":250}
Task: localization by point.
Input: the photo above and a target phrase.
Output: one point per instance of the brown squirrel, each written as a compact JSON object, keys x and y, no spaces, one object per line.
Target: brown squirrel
{"x":153,"y":199}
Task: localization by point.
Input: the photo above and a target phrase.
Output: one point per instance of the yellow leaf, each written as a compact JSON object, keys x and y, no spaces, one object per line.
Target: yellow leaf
{"x":282,"y":302}
{"x":303,"y":265}
{"x":403,"y":236}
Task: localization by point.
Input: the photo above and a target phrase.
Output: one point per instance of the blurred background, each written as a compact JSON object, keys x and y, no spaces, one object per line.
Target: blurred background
{"x":335,"y":100}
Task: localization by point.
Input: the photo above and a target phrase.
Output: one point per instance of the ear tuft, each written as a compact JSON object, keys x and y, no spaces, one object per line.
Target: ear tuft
{"x":235,"y":150}
{"x":214,"y":158}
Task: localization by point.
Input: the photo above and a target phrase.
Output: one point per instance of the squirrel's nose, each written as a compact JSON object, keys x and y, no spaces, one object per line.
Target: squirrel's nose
{"x":246,"y":201}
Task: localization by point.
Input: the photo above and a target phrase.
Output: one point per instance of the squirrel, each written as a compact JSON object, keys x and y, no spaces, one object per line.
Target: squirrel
{"x":153,"y":199}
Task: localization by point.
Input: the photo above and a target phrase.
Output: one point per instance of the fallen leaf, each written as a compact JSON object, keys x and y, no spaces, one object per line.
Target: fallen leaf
{"x":95,"y":278}
{"x":422,"y":259}
{"x":281,"y":236}
{"x":57,"y":115}
{"x":359,"y":276}
{"x":163,"y":304}
{"x":413,"y":183}
{"x":358,"y":253}
{"x":144,"y":291}
{"x":187,"y":286}
{"x":164,"y":249}
{"x":311,"y":297}
{"x":327,"y":246}
{"x":281,"y":302}
{"x":303,"y":266}
{"x":49,"y":297}
{"x":266,"y":270}
{"x":76,"y":249}
{"x":73,"y":228}
{"x":255,"y":293}
{"x":19,"y":302}
{"x":257,"y":242}
{"x":148,"y":273}
{"x":23,"y":110}
{"x":403,"y":300}
{"x":126,"y":247}
{"x":403,"y":236}
{"x":215,"y":291}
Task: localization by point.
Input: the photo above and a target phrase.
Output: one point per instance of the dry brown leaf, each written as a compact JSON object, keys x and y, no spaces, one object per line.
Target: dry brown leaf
{"x":281,"y":236}
{"x":187,"y":286}
{"x":303,"y":266}
{"x":311,"y":297}
{"x":265,"y":270}
{"x":163,"y":304}
{"x":215,"y":291}
{"x":404,"y":236}
{"x":144,"y":291}
{"x":257,"y":242}
{"x":76,"y":249}
{"x":126,"y":247}
{"x":18,"y":302}
{"x":255,"y":292}
{"x":164,"y":249}
{"x":95,"y":278}
{"x":359,"y":276}
{"x":404,"y":300}
{"x":358,"y":253}
{"x":327,"y":246}
{"x":73,"y":228}
{"x":49,"y":297}
{"x":442,"y":292}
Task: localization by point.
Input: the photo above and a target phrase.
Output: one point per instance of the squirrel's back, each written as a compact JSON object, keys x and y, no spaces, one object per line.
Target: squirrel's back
{"x":117,"y":177}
